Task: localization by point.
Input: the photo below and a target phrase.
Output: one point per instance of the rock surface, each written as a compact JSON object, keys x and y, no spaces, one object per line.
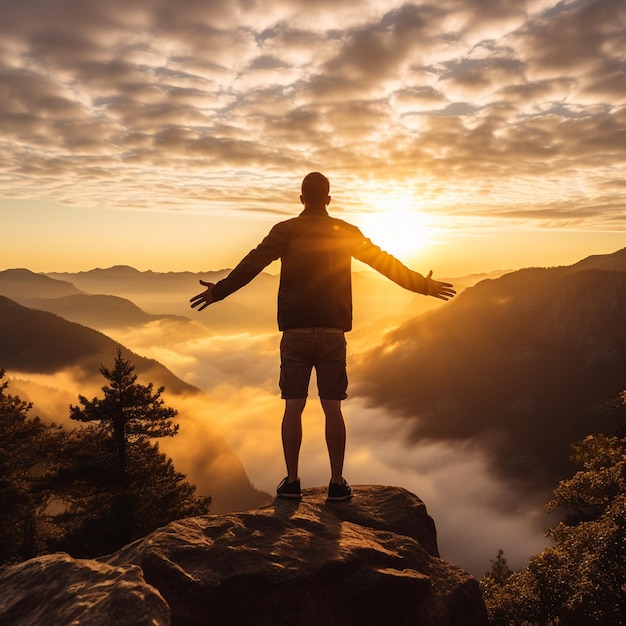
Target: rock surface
{"x":369,"y":561}
{"x":58,"y":590}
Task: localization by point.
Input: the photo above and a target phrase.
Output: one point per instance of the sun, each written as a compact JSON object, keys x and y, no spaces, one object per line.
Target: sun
{"x":397,"y":226}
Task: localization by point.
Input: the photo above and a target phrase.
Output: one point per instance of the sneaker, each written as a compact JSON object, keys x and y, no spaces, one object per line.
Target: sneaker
{"x":289,"y":490}
{"x":337,"y":493}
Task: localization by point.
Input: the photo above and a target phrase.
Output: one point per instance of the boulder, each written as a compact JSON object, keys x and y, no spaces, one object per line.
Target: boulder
{"x":58,"y":590}
{"x":369,"y":561}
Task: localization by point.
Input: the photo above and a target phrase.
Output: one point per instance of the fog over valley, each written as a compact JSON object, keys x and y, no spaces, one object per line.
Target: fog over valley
{"x":470,"y":404}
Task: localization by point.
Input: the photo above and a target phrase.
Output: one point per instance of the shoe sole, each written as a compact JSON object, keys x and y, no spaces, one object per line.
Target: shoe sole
{"x":290,"y":496}
{"x":339,"y":498}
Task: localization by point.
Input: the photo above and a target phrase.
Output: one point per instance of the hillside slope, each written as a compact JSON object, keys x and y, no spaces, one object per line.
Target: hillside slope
{"x":33,"y":343}
{"x":98,"y":311}
{"x":522,"y":366}
{"x":41,"y":342}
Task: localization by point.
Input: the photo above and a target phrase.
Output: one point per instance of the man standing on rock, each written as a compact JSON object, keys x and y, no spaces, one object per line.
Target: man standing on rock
{"x":314,"y":312}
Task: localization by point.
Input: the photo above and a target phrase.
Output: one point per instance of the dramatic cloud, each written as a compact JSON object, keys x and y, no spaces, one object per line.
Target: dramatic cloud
{"x":137,"y":103}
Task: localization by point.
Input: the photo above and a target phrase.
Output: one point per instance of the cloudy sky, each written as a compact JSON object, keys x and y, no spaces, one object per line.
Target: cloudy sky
{"x":171,"y":135}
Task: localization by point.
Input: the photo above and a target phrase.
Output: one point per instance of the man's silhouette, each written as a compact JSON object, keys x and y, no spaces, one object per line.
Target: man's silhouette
{"x":314,"y":312}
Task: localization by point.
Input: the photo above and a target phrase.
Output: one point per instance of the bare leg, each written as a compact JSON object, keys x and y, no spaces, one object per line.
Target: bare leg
{"x":335,"y":438}
{"x":292,"y":435}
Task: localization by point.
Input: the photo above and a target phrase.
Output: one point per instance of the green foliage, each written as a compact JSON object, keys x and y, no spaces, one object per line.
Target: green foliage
{"x":129,"y":410}
{"x":499,"y":571}
{"x":76,"y":491}
{"x":581,"y":580}
{"x":139,"y":488}
{"x":100,"y":514}
{"x":28,"y":460}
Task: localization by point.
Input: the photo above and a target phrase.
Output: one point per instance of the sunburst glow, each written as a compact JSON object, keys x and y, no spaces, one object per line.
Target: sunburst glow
{"x":398,"y":226}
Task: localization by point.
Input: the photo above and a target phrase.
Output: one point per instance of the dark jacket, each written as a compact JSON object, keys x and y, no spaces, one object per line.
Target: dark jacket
{"x":316,"y":277}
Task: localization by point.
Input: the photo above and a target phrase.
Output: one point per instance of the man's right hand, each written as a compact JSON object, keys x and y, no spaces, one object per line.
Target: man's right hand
{"x":205,"y":298}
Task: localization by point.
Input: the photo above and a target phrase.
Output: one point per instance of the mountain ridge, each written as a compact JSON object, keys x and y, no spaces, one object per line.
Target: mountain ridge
{"x":39,"y":341}
{"x":522,"y":365}
{"x":99,"y":311}
{"x":22,"y":282}
{"x":615,"y":261}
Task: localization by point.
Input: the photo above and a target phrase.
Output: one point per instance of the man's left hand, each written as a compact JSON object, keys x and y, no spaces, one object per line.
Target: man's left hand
{"x":437,"y":289}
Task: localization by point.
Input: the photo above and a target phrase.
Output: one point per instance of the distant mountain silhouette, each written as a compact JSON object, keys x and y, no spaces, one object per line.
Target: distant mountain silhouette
{"x":20,"y":283}
{"x":169,"y":293}
{"x":124,"y":279}
{"x":615,"y":262}
{"x":98,"y":311}
{"x":41,"y":342}
{"x":523,"y":365}
{"x":252,"y":308}
{"x":120,"y":296}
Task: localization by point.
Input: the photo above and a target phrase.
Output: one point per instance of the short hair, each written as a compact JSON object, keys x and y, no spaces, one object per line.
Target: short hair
{"x":315,"y":187}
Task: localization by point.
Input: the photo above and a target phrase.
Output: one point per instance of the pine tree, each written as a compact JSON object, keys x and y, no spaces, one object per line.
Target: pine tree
{"x":500,"y":569}
{"x":28,"y":461}
{"x":101,"y":515}
{"x":63,"y":490}
{"x":145,"y":491}
{"x":129,"y":410}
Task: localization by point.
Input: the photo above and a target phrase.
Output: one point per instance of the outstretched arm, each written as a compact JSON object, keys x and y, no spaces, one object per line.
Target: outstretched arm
{"x":399,"y":273}
{"x":443,"y":291}
{"x":205,"y":298}
{"x":270,"y":249}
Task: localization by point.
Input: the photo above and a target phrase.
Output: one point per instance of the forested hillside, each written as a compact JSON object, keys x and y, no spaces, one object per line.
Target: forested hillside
{"x":522,"y":365}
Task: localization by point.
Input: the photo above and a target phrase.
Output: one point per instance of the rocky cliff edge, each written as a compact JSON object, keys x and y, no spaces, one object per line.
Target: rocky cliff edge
{"x":372,"y":560}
